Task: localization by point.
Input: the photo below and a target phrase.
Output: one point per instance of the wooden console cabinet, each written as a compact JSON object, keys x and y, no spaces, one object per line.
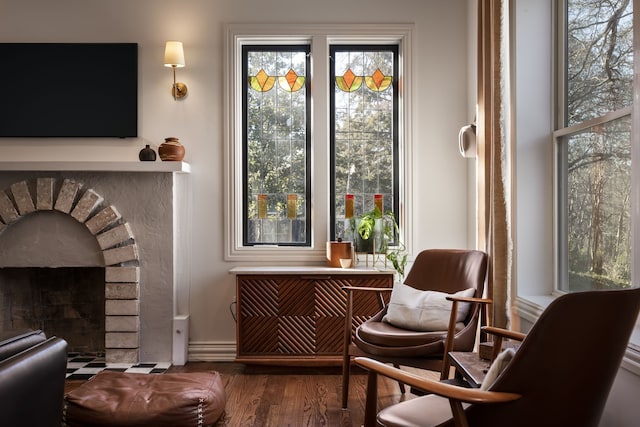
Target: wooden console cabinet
{"x":296,"y":316}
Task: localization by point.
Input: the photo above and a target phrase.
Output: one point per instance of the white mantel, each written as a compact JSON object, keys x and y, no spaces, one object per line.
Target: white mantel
{"x":153,"y":199}
{"x":157,"y":166}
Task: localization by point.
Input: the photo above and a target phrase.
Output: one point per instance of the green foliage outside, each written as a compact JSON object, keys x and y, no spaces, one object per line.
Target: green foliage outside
{"x":597,"y":160}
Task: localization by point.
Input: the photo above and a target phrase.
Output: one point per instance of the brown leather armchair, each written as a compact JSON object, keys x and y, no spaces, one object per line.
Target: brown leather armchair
{"x":560,"y":376}
{"x":442,"y":270}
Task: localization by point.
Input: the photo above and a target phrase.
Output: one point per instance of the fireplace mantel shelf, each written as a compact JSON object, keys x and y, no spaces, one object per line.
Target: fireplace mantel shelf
{"x":158,"y":166}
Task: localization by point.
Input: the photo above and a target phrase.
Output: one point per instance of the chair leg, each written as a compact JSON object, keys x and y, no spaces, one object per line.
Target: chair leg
{"x":346,"y":372}
{"x":459,"y":416}
{"x":446,"y":368}
{"x":346,"y":354}
{"x":400,"y":384}
{"x":371,"y":403}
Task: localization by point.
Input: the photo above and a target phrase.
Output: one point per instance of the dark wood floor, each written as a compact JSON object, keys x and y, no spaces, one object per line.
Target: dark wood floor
{"x":265,"y":396}
{"x":273,"y":396}
{"x":292,"y":396}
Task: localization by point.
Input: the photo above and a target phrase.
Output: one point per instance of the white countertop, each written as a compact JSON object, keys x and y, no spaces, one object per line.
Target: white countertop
{"x":308,"y":270}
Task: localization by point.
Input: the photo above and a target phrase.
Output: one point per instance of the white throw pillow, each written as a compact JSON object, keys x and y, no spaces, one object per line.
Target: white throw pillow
{"x":497,"y":367}
{"x":418,"y":310}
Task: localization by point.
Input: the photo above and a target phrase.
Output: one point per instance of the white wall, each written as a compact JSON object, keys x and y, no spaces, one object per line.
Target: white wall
{"x":440,"y":183}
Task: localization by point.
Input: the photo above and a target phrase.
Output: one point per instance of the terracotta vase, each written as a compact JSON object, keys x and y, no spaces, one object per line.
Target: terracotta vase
{"x":171,"y":150}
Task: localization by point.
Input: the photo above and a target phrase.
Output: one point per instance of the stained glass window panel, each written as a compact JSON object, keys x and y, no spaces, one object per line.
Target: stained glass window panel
{"x":276,"y":146}
{"x":364,"y":137}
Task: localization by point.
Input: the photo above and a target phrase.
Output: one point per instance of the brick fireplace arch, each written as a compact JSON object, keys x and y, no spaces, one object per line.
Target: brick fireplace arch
{"x":115,"y":239}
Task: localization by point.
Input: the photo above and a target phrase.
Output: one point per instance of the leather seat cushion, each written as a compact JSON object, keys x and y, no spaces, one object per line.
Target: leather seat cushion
{"x":387,"y":335}
{"x":412,"y":413}
{"x":131,"y":399}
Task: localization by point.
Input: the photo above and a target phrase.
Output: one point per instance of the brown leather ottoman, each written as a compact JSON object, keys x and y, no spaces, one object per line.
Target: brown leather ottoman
{"x":129,"y":399}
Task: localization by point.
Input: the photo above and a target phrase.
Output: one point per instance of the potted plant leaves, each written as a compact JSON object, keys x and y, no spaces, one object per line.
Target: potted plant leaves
{"x":374,"y":232}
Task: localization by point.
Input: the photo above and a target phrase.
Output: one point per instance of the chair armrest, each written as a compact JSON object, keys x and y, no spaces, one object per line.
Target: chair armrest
{"x":500,"y":334}
{"x":13,"y":342}
{"x":463,"y":394}
{"x":350,"y":290}
{"x":470,"y":299}
{"x":349,"y":312}
{"x":483,"y":302}
{"x":504,"y":333}
{"x":451,"y":330}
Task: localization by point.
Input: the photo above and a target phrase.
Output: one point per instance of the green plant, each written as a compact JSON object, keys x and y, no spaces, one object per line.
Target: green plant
{"x":366,"y":229}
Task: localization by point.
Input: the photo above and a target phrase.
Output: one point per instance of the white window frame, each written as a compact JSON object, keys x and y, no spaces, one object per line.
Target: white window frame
{"x":319,"y":36}
{"x":560,"y":268}
{"x":536,"y":83}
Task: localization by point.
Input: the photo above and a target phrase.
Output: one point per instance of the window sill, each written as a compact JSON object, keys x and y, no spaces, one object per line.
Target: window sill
{"x":530,"y":308}
{"x":267,"y":253}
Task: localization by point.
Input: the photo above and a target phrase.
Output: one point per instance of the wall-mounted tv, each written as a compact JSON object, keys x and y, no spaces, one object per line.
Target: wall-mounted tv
{"x":69,"y":90}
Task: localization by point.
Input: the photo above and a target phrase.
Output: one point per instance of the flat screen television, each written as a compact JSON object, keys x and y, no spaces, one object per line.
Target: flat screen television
{"x":69,"y":90}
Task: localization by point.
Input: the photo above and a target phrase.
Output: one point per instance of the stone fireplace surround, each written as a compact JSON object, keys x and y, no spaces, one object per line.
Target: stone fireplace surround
{"x":127,"y":217}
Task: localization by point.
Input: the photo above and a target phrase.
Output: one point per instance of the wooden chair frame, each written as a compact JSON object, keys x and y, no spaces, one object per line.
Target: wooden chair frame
{"x":564,"y":343}
{"x":434,"y":364}
{"x":456,"y":395}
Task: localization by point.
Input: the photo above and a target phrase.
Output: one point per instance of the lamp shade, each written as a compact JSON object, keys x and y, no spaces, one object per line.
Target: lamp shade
{"x":173,"y":54}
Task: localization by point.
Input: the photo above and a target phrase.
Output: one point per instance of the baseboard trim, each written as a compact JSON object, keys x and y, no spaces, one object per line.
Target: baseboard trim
{"x":212,"y":351}
{"x":631,"y":361}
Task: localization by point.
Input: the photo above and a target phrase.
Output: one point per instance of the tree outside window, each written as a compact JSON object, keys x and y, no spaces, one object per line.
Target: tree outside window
{"x":594,"y":147}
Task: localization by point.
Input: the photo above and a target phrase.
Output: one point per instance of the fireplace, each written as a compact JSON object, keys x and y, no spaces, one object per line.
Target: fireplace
{"x":125,"y":219}
{"x":67,"y":301}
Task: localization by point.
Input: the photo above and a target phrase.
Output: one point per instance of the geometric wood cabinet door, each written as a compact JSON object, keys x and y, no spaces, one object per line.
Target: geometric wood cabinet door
{"x":299,"y":318}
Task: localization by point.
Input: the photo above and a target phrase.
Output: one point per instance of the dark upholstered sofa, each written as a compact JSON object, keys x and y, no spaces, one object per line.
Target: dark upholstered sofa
{"x":32,"y":375}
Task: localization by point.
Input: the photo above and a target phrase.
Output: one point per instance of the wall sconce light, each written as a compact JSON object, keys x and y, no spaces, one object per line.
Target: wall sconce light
{"x":174,"y":58}
{"x":467,"y":141}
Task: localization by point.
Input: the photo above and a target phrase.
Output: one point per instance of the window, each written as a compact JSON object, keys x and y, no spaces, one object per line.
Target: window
{"x":364,"y":133}
{"x":276,"y":145}
{"x":284,"y":189}
{"x":593,"y":146}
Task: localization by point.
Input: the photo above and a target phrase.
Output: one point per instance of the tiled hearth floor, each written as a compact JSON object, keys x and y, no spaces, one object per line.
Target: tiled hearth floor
{"x":82,"y":367}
